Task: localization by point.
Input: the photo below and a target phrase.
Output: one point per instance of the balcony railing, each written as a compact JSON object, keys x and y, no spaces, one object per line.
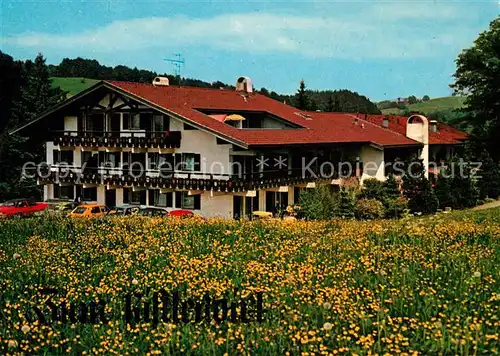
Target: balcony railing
{"x":139,"y":138}
{"x":178,"y":179}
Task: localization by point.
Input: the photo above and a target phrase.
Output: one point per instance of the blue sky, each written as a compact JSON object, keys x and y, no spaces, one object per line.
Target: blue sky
{"x":381,"y":49}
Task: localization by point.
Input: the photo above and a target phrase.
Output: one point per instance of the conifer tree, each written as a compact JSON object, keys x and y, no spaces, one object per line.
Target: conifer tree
{"x":489,"y":183}
{"x":301,"y":98}
{"x":347,"y":204}
{"x":418,"y":190}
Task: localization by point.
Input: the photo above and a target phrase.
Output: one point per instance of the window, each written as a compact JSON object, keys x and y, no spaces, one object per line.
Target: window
{"x":112,"y":159}
{"x":63,"y":192}
{"x":131,"y":121}
{"x":95,"y":210}
{"x":95,"y":122}
{"x":80,"y":210}
{"x":166,"y":162}
{"x":187,"y":162}
{"x":163,"y":199}
{"x":135,"y":122}
{"x":146,"y":121}
{"x":188,"y":159}
{"x":185,"y":201}
{"x":65,"y":157}
{"x":161,"y":123}
{"x":188,"y":201}
{"x":134,"y":197}
{"x":125,"y":120}
{"x":89,"y":194}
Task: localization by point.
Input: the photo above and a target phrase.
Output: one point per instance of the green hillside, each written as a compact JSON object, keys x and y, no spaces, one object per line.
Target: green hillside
{"x":433,"y":105}
{"x":73,"y":85}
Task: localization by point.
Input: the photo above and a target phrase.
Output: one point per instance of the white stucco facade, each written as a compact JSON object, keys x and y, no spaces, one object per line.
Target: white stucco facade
{"x":373,"y":163}
{"x":216,"y":157}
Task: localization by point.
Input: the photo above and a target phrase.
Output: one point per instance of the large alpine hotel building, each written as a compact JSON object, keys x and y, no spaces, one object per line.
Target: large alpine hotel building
{"x":217,"y":152}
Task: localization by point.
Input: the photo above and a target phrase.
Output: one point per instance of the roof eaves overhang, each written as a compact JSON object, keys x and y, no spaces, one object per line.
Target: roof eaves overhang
{"x":176,"y":115}
{"x":143,"y":101}
{"x":301,"y":144}
{"x":60,"y":106}
{"x":416,"y":144}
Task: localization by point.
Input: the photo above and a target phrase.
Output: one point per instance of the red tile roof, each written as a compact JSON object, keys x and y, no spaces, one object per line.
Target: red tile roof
{"x":316,"y":127}
{"x":445,"y":133}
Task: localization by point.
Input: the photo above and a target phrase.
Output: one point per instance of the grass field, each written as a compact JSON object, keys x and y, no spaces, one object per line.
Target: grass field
{"x":416,"y":286}
{"x":433,"y":105}
{"x":73,"y":85}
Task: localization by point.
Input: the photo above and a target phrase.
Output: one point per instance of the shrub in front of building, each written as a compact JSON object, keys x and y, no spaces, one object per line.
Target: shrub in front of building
{"x":369,"y":209}
{"x":320,"y":203}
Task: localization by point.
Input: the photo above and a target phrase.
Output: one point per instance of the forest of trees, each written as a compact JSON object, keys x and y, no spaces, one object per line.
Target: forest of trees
{"x":323,"y":100}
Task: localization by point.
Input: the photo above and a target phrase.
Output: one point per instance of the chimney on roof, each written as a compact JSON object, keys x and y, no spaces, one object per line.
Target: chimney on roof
{"x":433,"y":127}
{"x":244,"y":84}
{"x":385,"y":122}
{"x":161,"y":81}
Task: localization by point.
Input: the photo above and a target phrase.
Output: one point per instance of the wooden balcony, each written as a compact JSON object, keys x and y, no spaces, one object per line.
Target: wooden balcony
{"x":143,"y":139}
{"x":188,"y":180}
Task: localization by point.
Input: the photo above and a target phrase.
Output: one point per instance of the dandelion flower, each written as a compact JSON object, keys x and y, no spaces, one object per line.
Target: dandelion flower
{"x":327,"y":326}
{"x":327,"y":305}
{"x":25,"y":329}
{"x":135,"y":281}
{"x":126,"y":255}
{"x":162,"y":248}
{"x":16,"y":256}
{"x":12,"y":344}
{"x":477,"y":274}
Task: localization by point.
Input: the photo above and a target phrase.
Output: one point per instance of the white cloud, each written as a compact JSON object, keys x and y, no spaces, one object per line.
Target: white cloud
{"x":380,"y":31}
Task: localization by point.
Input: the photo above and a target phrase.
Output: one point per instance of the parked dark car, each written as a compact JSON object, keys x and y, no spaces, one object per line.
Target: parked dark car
{"x":125,"y":210}
{"x":153,"y":212}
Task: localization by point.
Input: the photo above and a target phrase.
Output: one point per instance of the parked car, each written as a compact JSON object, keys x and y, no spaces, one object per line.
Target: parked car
{"x":89,"y":210}
{"x":125,"y":210}
{"x":62,"y":206}
{"x":20,"y":207}
{"x":261,"y":215}
{"x":153,"y":211}
{"x":181,"y":213}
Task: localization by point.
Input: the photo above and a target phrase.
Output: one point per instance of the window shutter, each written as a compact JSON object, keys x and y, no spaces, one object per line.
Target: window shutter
{"x":55,"y":156}
{"x":197,"y":202}
{"x":126,"y":123}
{"x":169,"y":200}
{"x":101,"y":158}
{"x":151,"y":193}
{"x":178,"y":200}
{"x":126,"y":198}
{"x":166,"y":123}
{"x":197,"y":162}
{"x":78,"y":191}
{"x":179,"y":166}
{"x":142,"y":197}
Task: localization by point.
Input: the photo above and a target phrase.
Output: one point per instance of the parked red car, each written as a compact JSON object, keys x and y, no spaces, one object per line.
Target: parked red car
{"x":20,"y":207}
{"x":182,"y":213}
